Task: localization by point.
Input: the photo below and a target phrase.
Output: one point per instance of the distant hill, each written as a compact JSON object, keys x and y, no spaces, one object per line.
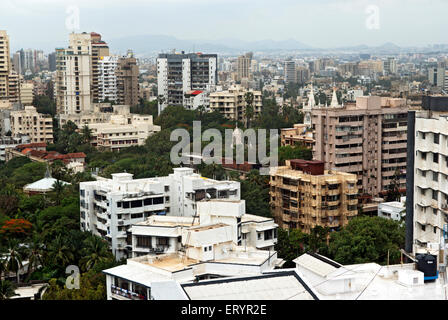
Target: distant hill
{"x":147,"y":44}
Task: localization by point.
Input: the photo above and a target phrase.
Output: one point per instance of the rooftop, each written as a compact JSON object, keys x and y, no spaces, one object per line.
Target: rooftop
{"x":271,"y":286}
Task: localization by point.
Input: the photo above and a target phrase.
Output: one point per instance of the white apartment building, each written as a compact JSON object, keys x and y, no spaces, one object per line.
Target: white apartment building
{"x":73,"y":75}
{"x":180,"y":73}
{"x":427,"y":180}
{"x":122,"y":131}
{"x":28,"y":122}
{"x":109,"y":207}
{"x":165,"y":234}
{"x":107,"y":79}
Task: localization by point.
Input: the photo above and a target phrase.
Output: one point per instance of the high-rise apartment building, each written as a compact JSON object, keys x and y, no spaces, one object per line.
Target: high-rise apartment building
{"x":244,"y":64}
{"x":232,"y":103}
{"x":290,"y":72}
{"x":427,"y":176}
{"x":303,"y":195}
{"x":109,"y":207}
{"x":74,"y":75}
{"x":178,"y":74}
{"x":52,"y":61}
{"x":100,"y":49}
{"x":5,"y":65}
{"x":436,"y":77}
{"x":127,"y":73}
{"x":367,"y":138}
{"x":107,"y":79}
{"x":390,"y":66}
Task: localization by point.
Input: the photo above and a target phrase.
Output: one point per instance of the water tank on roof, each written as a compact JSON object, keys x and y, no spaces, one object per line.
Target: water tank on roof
{"x":427,"y":264}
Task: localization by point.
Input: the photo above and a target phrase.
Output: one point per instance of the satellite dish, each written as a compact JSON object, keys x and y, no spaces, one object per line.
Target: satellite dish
{"x":208,"y":196}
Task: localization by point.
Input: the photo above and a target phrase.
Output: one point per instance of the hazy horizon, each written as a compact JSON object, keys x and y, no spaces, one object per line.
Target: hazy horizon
{"x":43,"y":24}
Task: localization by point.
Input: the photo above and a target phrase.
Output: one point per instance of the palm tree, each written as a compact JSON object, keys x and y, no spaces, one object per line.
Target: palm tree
{"x":96,"y":251}
{"x":14,"y":258}
{"x":58,"y":189}
{"x":7,"y":290}
{"x":60,"y":253}
{"x":249,"y":112}
{"x":34,"y":254}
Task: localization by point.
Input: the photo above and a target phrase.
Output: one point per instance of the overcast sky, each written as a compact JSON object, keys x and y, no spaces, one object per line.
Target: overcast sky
{"x":318,"y":23}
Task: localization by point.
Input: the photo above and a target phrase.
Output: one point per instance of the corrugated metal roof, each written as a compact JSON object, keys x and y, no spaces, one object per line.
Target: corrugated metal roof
{"x":265,"y":287}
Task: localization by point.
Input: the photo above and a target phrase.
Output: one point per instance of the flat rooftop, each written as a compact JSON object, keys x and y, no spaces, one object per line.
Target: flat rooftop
{"x":168,"y":221}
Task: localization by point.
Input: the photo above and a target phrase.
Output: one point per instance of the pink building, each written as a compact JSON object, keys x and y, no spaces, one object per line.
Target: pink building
{"x":367,"y":138}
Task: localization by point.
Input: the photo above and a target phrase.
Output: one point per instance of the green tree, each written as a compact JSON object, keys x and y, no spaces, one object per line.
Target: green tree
{"x":7,"y":289}
{"x":14,"y":261}
{"x":96,"y":251}
{"x":368,"y":239}
{"x":86,"y":133}
{"x":249,"y":108}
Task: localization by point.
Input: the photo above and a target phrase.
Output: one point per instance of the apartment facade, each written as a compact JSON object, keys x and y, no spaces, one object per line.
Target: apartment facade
{"x":109,"y":207}
{"x":127,"y":80}
{"x":244,"y":67}
{"x":100,"y":49}
{"x":303,"y":195}
{"x":165,"y":234}
{"x":367,"y":139}
{"x":28,"y":122}
{"x":232,"y":103}
{"x":290,"y":72}
{"x":107,"y":79}
{"x":74,"y":75}
{"x":301,"y":134}
{"x":5,"y":66}
{"x":427,"y":177}
{"x":178,"y":74}
{"x":122,"y":131}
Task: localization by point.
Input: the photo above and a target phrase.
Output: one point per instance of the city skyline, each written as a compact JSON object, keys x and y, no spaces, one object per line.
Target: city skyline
{"x":320,"y":24}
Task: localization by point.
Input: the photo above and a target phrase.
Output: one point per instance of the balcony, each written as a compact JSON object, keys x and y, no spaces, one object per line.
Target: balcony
{"x":123,"y":294}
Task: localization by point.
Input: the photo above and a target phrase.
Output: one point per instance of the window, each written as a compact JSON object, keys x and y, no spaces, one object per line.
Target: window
{"x":259,"y":235}
{"x":435,"y":195}
{"x":435,"y":157}
{"x":423,"y":173}
{"x":163,"y":241}
{"x":143,"y":242}
{"x":435,"y":176}
{"x":436,"y":138}
{"x":423,"y":155}
{"x":423,"y":135}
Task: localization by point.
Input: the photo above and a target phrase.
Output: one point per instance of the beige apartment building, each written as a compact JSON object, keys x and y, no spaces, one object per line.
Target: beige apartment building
{"x":122,"y":131}
{"x":5,"y":66}
{"x":27,"y":93}
{"x":232,"y":103}
{"x":29,"y":122}
{"x":301,"y":134}
{"x":74,"y":75}
{"x":303,"y":195}
{"x":244,"y":67}
{"x":366,"y":138}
